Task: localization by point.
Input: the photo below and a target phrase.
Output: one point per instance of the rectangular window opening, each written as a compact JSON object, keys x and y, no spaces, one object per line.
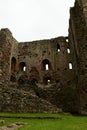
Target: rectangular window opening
{"x":70,"y":66}
{"x":68,"y":50}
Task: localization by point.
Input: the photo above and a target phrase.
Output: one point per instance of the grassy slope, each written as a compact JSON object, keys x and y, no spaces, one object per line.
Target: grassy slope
{"x":67,"y":122}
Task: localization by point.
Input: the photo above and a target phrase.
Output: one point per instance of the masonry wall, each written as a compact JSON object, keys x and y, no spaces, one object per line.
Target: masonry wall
{"x":37,"y":54}
{"x":78,"y":40}
{"x":8,"y":48}
{"x":28,"y":60}
{"x":60,"y":63}
{"x":44,"y":61}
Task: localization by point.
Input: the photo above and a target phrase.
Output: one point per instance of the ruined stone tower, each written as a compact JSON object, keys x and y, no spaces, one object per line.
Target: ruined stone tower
{"x":58,"y":61}
{"x":78,"y":43}
{"x":8,"y":49}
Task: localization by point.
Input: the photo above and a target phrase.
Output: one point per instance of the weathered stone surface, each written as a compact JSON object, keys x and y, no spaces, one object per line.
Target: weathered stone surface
{"x":64,"y":97}
{"x":78,"y":40}
{"x":61,"y":61}
{"x":14,"y":100}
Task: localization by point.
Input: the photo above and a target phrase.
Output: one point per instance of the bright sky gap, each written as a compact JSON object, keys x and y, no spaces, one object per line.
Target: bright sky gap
{"x":35,"y":19}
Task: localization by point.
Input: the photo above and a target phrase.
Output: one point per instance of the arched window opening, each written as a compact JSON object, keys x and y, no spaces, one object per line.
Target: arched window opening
{"x":34,"y":75}
{"x":47,"y":80}
{"x":12,"y":78}
{"x":37,"y":94}
{"x":23,"y":79}
{"x":13,"y":64}
{"x":34,"y":81}
{"x":58,"y":48}
{"x":67,"y":40}
{"x":46,"y":65}
{"x":68,"y":50}
{"x":22,"y":66}
{"x":20,"y":81}
{"x":70,"y":66}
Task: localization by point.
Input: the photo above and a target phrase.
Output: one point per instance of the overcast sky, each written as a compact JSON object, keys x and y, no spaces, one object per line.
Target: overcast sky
{"x":35,"y":19}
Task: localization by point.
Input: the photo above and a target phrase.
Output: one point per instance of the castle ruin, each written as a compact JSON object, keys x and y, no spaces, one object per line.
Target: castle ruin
{"x":56,"y":68}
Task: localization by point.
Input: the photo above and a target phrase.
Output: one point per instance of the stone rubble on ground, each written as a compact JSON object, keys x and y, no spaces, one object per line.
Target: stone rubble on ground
{"x":13,"y":126}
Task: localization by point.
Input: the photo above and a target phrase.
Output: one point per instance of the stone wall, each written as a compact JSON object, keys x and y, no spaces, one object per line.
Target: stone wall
{"x":78,"y":39}
{"x":61,"y":61}
{"x":64,"y":97}
{"x":8,"y":49}
{"x":30,"y":59}
{"x":5,"y":45}
{"x":25,"y":63}
{"x":37,"y":54}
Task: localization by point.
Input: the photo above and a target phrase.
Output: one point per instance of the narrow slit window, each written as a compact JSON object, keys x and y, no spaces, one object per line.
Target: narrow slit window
{"x":58,"y":48}
{"x":47,"y":67}
{"x":24,"y":68}
{"x":67,"y":40}
{"x":48,"y":81}
{"x":68,"y":50}
{"x":13,"y":64}
{"x":70,"y":66}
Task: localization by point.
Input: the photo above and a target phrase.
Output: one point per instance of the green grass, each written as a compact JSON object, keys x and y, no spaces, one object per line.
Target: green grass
{"x":17,"y":115}
{"x":66,"y":122}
